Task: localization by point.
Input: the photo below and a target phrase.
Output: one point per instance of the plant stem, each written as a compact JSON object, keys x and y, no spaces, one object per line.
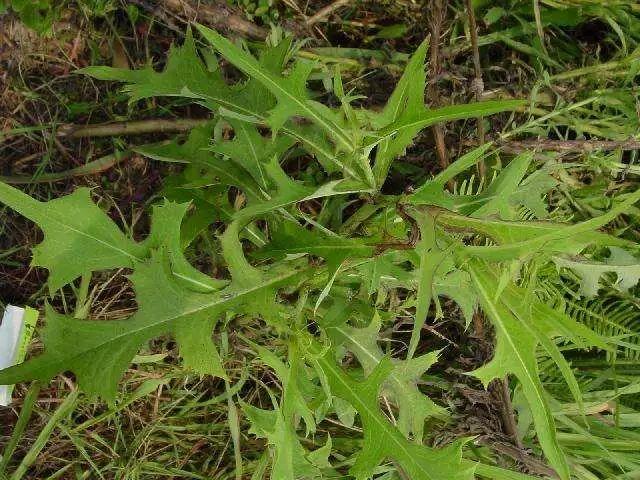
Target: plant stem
{"x":509,"y":419}
{"x":569,"y":146}
{"x":136,"y":127}
{"x":322,"y":14}
{"x":92,"y":168}
{"x":438,"y":11}
{"x":478,"y":84}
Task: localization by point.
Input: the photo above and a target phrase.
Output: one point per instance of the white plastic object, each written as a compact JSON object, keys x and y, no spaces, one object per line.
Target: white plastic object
{"x":15,"y":332}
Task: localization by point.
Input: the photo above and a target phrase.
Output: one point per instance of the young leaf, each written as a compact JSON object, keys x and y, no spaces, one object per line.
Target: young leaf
{"x":401,"y":384}
{"x":290,"y":91}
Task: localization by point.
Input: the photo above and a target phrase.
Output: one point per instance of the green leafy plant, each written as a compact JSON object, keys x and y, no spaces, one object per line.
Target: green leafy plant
{"x":35,"y":14}
{"x":324,"y":259}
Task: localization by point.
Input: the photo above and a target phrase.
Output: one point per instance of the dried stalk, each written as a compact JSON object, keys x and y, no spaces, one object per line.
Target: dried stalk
{"x":136,"y":127}
{"x":438,"y":11}
{"x":324,"y":13}
{"x":478,"y":83}
{"x":568,"y":146}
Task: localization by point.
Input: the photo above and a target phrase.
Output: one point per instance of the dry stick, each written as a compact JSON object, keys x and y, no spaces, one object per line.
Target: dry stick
{"x":478,"y":84}
{"x":568,"y":146}
{"x":535,"y":465}
{"x":437,"y":17}
{"x":136,"y":127}
{"x":322,"y":14}
{"x":218,"y":15}
{"x":508,"y":417}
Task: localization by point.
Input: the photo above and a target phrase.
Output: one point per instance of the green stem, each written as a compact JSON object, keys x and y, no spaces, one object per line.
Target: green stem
{"x":20,"y":426}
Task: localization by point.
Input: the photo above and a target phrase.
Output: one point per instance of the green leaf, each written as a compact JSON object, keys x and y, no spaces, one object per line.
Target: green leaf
{"x":288,"y":191}
{"x":515,"y":353}
{"x":382,"y":440}
{"x":400,"y":387}
{"x":430,"y":258}
{"x":184,"y":76}
{"x":290,"y":239}
{"x":290,"y":460}
{"x":409,"y":90}
{"x":169,"y":291}
{"x":187,"y":76}
{"x":521,"y":240}
{"x":418,"y":117}
{"x":620,"y":262}
{"x":102,"y":350}
{"x":206,"y":167}
{"x":290,"y":91}
{"x":510,"y":189}
{"x":494,"y":14}
{"x":251,"y":151}
{"x":80,"y":238}
{"x":294,"y":382}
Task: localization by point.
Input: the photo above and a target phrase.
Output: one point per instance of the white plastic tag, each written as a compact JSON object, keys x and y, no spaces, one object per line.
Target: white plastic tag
{"x":15,"y":333}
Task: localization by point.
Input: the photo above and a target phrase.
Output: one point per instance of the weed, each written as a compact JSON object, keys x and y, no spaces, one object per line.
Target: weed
{"x":307,"y":254}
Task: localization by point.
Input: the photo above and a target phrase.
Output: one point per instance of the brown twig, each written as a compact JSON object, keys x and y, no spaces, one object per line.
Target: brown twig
{"x":508,"y":417}
{"x":568,"y":146}
{"x":535,"y":465}
{"x":218,"y":15}
{"x":136,"y":127}
{"x":478,"y":84}
{"x":437,"y":17}
{"x":324,"y":13}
